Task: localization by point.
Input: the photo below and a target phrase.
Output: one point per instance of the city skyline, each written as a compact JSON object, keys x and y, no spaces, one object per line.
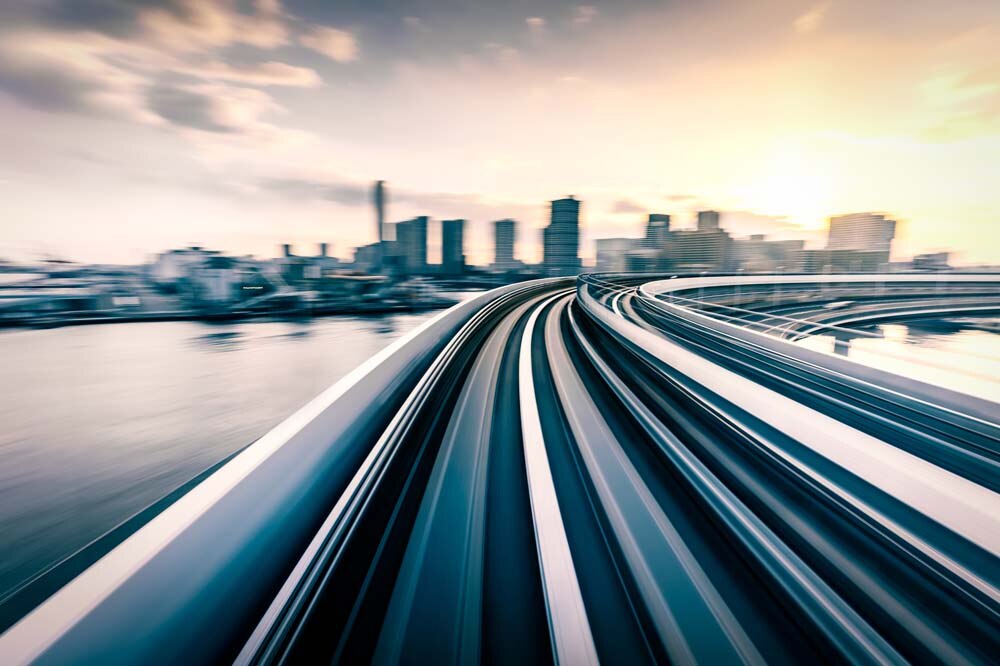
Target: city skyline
{"x":127,"y":130}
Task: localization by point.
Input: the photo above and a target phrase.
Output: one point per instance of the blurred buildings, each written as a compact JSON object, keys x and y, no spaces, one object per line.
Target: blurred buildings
{"x":708,"y":220}
{"x":613,"y":253}
{"x":561,"y":239}
{"x":452,"y":247}
{"x":860,"y":242}
{"x":393,"y":271}
{"x":410,"y":249}
{"x":657,"y":231}
{"x":504,"y":237}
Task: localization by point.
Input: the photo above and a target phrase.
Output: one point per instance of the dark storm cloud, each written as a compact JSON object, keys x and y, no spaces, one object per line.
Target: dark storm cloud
{"x":187,"y":108}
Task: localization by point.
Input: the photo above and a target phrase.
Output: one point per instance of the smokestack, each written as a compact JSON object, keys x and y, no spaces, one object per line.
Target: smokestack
{"x":323,"y":247}
{"x":286,"y":250}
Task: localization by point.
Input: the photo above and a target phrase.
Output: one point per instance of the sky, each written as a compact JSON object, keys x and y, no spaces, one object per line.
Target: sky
{"x":128,"y":127}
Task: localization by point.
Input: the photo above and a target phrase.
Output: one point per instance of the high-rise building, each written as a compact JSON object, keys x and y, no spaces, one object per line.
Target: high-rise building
{"x":657,"y":231}
{"x":757,"y":254}
{"x":411,"y":245}
{"x":504,"y":234}
{"x":561,"y":239}
{"x":696,"y":250}
{"x":708,"y":220}
{"x":452,"y":248}
{"x":862,"y":232}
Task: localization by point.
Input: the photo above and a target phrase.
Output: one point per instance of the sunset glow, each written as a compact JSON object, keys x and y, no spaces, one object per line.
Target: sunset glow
{"x":129,"y":130}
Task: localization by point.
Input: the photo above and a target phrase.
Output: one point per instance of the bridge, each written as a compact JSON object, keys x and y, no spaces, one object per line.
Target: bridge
{"x":617,"y":468}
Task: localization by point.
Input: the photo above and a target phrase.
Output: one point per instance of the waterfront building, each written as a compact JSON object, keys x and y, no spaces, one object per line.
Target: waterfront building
{"x":367,"y":258}
{"x":174,"y":265}
{"x":411,"y":245}
{"x":861,"y":232}
{"x":756,"y":254}
{"x":708,"y":220}
{"x":452,"y":247}
{"x":612,"y":253}
{"x":932,"y":261}
{"x":657,"y":231}
{"x":561,"y":239}
{"x":699,"y":250}
{"x":504,"y":235}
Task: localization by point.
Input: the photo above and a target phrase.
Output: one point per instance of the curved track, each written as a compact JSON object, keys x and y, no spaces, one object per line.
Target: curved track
{"x":573,"y":472}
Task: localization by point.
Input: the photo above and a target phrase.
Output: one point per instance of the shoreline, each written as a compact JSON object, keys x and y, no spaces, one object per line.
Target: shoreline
{"x":39,"y":323}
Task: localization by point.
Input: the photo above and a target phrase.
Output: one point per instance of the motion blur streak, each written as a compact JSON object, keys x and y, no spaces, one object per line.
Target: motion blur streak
{"x":620,"y":469}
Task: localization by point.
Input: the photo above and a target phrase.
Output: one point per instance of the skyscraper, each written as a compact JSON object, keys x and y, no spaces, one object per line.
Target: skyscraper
{"x":504,"y":233}
{"x":657,"y":231}
{"x":411,"y":245}
{"x":708,"y":220}
{"x":452,"y":249}
{"x":561,"y":239}
{"x":868,"y":232}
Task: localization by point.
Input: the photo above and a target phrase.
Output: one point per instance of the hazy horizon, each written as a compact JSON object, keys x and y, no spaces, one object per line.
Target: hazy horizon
{"x":129,"y":128}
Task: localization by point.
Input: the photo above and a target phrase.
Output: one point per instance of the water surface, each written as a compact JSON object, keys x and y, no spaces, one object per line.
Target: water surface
{"x":97,"y":422}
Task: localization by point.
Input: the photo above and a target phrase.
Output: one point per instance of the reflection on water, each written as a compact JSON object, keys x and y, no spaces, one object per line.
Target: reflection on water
{"x":221,"y":340}
{"x":962,"y":355}
{"x":97,"y":422}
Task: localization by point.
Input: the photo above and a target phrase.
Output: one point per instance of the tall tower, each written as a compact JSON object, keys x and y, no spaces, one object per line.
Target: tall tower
{"x":452,"y":247}
{"x":411,"y":245}
{"x":657,"y":231}
{"x":504,"y":232}
{"x":379,"y":209}
{"x":561,"y":239}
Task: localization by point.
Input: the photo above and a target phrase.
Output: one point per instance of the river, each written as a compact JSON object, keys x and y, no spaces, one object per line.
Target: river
{"x":97,"y":422}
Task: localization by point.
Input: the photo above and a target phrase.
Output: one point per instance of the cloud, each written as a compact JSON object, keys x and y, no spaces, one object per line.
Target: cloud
{"x":216,"y":108}
{"x":188,"y":108}
{"x":536,"y":24}
{"x":342,"y":192}
{"x":811,"y":20}
{"x":173,"y":25}
{"x":336,"y":44}
{"x":69,"y":73}
{"x":503,"y":54}
{"x":415,"y":24}
{"x":261,"y":74}
{"x":963,"y":103}
{"x":196,"y":25}
{"x":136,"y":69}
{"x":439,"y":205}
{"x":681,"y":197}
{"x":625,"y":206}
{"x":584,"y":14}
